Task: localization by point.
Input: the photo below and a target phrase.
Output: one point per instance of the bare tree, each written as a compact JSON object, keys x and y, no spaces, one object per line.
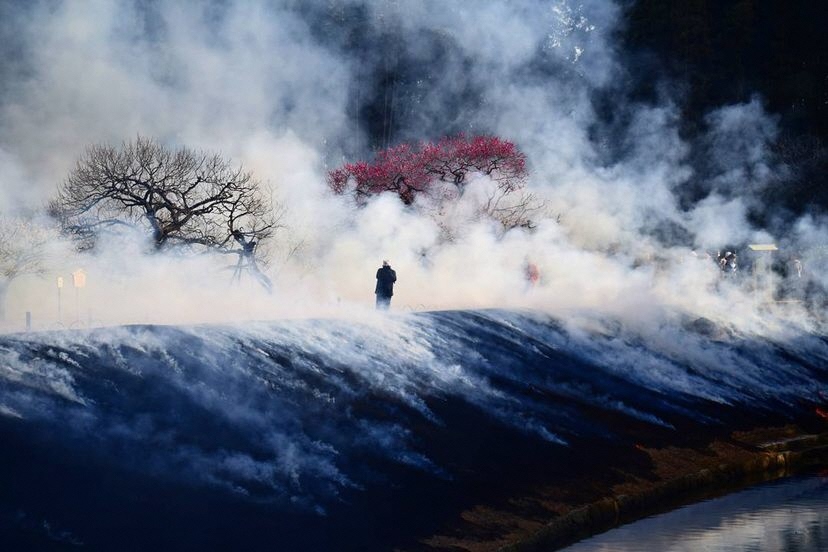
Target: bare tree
{"x":22,"y":251}
{"x":184,"y":199}
{"x":514,"y":210}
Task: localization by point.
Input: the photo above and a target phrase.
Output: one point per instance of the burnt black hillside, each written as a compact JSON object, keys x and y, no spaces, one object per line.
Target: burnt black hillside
{"x":345,"y":435}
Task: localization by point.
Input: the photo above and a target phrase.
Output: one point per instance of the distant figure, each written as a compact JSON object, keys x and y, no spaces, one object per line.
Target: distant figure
{"x":532,"y":274}
{"x":731,"y":263}
{"x":727,"y":262}
{"x":385,"y":285}
{"x":798,"y":268}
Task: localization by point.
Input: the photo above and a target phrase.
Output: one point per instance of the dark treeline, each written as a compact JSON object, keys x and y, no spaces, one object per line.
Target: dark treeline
{"x":705,"y":53}
{"x":725,"y":51}
{"x":405,"y":87}
{"x":719,"y":52}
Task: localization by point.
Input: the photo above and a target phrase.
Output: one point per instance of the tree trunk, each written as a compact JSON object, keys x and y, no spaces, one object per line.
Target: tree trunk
{"x":260,"y":276}
{"x":158,"y":237}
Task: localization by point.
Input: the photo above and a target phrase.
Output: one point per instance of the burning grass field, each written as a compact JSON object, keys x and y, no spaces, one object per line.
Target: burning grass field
{"x":442,"y":430}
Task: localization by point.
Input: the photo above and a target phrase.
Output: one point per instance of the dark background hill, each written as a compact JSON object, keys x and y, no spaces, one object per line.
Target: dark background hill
{"x":723,"y":52}
{"x":701,"y":54}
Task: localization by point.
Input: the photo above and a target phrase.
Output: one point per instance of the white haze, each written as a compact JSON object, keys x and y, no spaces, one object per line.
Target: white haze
{"x":249,"y":80}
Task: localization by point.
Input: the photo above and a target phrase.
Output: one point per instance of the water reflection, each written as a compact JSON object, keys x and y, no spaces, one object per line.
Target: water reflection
{"x":789,"y":515}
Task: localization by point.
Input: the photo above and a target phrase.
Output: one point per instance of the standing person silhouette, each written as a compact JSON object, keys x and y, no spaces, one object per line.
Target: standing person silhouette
{"x":385,"y":286}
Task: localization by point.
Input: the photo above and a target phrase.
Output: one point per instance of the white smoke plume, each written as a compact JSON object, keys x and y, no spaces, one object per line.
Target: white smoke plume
{"x":276,"y":86}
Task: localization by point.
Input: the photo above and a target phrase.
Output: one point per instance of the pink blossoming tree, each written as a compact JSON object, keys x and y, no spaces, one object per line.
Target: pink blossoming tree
{"x":440,"y":172}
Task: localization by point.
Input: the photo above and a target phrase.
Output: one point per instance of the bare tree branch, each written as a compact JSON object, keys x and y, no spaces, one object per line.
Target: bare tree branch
{"x":22,"y":251}
{"x":183,"y":199}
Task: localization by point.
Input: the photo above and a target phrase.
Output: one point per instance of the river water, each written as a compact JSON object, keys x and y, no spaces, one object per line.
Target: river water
{"x":787,"y":515}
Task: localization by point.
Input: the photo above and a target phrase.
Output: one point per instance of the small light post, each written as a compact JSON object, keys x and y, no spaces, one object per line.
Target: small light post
{"x":78,"y":281}
{"x":60,"y":304}
{"x":762,"y":264}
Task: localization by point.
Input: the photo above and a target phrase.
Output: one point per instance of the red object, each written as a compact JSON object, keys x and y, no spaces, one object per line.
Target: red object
{"x":411,"y":170}
{"x":532,"y":273}
{"x":821,"y":413}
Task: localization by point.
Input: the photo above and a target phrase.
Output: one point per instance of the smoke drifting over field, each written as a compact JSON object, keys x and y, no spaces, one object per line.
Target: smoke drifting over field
{"x":246,"y":435}
{"x":288,"y":90}
{"x":317,"y":434}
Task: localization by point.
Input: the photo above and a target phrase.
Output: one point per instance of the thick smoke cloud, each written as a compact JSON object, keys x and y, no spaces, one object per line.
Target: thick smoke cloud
{"x":291,"y":90}
{"x":634,"y":319}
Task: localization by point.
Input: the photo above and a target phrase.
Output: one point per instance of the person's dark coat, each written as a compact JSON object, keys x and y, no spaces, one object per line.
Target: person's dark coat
{"x":385,"y":281}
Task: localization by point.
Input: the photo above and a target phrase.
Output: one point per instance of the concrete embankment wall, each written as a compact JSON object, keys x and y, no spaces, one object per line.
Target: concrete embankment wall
{"x":773,"y":461}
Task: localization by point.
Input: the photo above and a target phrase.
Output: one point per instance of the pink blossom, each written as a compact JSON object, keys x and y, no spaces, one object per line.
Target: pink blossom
{"x":409,"y":170}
